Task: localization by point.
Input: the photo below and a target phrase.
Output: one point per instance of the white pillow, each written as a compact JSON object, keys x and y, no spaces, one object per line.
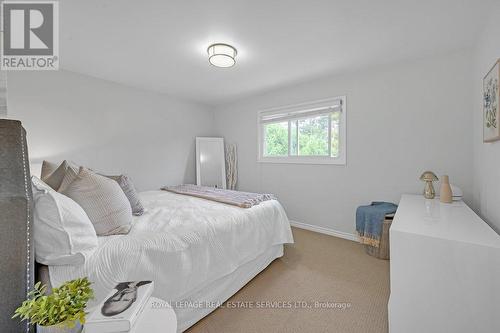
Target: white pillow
{"x":63,"y":233}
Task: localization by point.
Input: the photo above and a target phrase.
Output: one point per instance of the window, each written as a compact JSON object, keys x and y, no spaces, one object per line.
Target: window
{"x":305,"y":133}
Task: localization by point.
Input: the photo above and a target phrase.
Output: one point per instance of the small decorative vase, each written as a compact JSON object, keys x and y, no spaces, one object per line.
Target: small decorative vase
{"x":59,"y":328}
{"x":429,"y":192}
{"x":445,"y":196}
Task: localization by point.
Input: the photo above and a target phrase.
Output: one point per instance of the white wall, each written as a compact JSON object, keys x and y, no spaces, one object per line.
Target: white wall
{"x":402,"y":119}
{"x":486,"y":155}
{"x":108,"y":127}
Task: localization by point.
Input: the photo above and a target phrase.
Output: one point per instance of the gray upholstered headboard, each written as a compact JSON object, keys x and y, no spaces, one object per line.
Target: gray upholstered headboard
{"x":16,"y":243}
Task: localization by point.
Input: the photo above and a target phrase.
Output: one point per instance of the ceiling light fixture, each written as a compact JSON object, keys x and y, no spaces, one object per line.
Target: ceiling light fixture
{"x":221,"y":55}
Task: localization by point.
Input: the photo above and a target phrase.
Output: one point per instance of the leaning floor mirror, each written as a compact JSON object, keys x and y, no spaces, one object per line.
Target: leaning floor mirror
{"x":210,"y":162}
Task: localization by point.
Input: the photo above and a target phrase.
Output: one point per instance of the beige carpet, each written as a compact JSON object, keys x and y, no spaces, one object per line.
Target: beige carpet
{"x":316,"y":268}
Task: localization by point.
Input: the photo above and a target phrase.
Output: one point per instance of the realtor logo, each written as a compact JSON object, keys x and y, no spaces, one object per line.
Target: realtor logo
{"x":30,"y":35}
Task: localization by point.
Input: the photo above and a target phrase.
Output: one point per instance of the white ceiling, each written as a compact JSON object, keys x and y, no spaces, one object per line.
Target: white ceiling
{"x":161,"y":45}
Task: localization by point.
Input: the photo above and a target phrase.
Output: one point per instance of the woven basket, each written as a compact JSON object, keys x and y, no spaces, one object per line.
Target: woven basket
{"x":382,"y":251}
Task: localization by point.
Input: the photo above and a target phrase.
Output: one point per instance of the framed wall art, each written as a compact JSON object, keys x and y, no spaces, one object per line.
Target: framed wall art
{"x":491,"y":117}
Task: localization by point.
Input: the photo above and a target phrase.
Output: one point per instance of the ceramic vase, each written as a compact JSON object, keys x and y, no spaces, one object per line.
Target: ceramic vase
{"x":445,"y":196}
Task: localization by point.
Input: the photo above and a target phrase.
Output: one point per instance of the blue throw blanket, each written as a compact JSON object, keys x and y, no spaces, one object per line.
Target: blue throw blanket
{"x":369,"y":220}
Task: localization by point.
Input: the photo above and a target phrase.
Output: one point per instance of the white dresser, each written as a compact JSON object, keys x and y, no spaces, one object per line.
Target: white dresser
{"x":445,"y":269}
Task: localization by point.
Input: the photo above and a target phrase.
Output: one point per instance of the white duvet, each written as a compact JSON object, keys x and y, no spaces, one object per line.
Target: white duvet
{"x":182,"y":243}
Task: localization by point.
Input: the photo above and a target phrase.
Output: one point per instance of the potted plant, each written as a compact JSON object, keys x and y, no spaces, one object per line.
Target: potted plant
{"x":63,"y":311}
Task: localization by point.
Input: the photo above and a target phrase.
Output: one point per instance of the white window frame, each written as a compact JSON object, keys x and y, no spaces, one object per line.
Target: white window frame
{"x":303,"y":107}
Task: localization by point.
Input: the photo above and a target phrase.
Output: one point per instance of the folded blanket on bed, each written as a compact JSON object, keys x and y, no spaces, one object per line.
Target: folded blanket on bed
{"x":235,"y":198}
{"x":369,"y":221}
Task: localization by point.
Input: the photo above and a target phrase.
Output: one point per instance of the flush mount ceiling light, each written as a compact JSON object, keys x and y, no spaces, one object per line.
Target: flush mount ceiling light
{"x":221,"y":55}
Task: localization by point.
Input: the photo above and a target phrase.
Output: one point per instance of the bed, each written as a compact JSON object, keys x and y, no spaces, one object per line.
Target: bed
{"x":198,"y":252}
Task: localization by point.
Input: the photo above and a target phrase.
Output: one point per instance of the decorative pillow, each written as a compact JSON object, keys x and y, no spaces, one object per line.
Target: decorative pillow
{"x":63,"y":234}
{"x":47,"y":169}
{"x":102,"y":199}
{"x":69,"y":176}
{"x":55,"y":179}
{"x":130,"y":192}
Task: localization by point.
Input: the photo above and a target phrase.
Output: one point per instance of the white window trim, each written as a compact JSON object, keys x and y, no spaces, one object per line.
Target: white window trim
{"x":340,"y":160}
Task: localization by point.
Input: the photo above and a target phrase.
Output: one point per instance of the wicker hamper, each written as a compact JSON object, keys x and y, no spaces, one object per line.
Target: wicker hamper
{"x":382,"y":251}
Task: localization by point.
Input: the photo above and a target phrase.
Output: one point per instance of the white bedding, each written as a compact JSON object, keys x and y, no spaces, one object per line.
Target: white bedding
{"x":182,"y":243}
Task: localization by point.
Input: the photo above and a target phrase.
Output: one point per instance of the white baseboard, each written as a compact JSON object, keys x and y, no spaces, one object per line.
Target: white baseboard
{"x":323,"y":230}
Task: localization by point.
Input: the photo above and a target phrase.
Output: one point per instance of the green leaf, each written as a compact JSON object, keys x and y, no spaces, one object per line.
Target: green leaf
{"x":63,"y":307}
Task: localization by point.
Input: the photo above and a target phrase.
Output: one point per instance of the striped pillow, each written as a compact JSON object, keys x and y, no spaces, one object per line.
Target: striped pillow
{"x":130,"y":192}
{"x":102,"y":199}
